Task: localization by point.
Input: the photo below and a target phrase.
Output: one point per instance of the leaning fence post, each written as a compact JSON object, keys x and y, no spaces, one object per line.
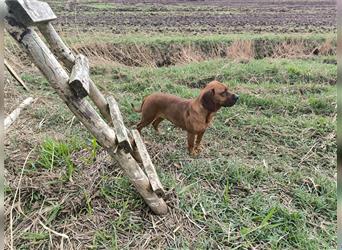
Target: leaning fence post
{"x":59,"y":79}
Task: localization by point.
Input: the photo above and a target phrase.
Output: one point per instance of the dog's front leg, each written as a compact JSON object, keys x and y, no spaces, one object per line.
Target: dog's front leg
{"x":198,"y":146}
{"x":191,"y":143}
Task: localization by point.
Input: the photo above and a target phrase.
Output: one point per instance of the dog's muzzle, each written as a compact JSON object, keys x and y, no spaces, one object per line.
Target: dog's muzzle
{"x":231,"y":101}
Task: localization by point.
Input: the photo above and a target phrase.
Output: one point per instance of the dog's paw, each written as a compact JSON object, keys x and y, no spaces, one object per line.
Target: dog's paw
{"x":192,"y":152}
{"x":199,"y":148}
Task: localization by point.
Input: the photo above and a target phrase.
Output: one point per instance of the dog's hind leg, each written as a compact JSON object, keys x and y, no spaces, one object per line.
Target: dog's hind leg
{"x":143,"y":124}
{"x":145,"y":121}
{"x":156,"y":122}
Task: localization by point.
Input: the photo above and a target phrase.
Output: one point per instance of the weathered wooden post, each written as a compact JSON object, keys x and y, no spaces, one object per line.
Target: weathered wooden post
{"x":72,"y":91}
{"x":64,"y":54}
{"x":79,"y":78}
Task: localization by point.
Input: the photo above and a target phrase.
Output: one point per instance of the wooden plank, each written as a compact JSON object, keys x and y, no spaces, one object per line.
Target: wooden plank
{"x":15,"y":75}
{"x":31,"y":12}
{"x":118,"y":124}
{"x":79,"y":78}
{"x":15,"y":113}
{"x":148,"y":165}
{"x":58,"y":78}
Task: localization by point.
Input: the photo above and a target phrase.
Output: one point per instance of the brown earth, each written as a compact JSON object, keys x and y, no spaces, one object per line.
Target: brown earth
{"x":218,"y":17}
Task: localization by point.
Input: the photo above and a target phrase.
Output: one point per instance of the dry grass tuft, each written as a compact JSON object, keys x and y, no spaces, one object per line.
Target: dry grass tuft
{"x":241,"y":50}
{"x":186,"y":54}
{"x":291,"y":49}
{"x":69,"y":198}
{"x":132,"y":55}
{"x":327,"y":48}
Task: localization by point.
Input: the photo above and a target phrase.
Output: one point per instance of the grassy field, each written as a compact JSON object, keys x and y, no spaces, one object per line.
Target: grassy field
{"x":265,"y":180}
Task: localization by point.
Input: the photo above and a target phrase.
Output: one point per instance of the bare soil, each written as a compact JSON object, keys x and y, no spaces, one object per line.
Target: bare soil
{"x":200,"y":16}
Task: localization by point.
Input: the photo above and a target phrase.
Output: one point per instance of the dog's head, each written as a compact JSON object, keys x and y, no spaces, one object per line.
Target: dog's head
{"x":216,"y":95}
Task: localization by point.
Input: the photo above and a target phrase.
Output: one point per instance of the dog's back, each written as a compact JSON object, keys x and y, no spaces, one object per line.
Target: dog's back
{"x":163,"y":106}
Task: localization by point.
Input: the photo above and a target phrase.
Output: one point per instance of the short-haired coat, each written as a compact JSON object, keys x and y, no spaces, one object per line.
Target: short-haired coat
{"x":192,"y":115}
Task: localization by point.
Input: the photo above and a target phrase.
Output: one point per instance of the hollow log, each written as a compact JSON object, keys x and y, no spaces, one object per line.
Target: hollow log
{"x":58,"y":78}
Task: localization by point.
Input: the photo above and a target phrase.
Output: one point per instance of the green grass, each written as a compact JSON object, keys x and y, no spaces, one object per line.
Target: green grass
{"x":281,"y":71}
{"x":250,"y":186}
{"x":266,"y":178}
{"x":101,"y":6}
{"x":178,"y":38}
{"x":57,"y":154}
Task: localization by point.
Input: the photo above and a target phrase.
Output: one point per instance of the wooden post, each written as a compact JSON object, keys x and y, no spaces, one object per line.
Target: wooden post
{"x":148,"y":165}
{"x":140,"y":181}
{"x":58,"y":78}
{"x":15,"y":75}
{"x":57,"y":45}
{"x":15,"y":113}
{"x":67,"y":57}
{"x":79,"y":78}
{"x":118,"y":124}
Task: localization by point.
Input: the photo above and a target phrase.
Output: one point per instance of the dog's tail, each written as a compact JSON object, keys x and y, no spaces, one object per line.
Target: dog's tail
{"x":140,"y":109}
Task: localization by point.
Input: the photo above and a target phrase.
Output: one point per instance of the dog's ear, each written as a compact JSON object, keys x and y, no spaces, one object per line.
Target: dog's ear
{"x":208,"y":101}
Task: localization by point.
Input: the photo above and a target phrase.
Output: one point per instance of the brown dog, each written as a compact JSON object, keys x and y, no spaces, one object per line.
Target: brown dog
{"x":192,"y":115}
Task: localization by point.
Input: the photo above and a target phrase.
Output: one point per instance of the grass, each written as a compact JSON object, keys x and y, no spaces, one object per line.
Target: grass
{"x":277,"y":71}
{"x":161,"y":50}
{"x":179,"y":38}
{"x":265,"y":180}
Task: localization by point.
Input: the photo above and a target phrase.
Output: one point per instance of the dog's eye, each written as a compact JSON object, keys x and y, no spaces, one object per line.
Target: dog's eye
{"x":224,"y":93}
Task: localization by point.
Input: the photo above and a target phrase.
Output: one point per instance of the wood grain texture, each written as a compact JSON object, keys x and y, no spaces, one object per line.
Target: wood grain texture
{"x":148,"y":165}
{"x":68,"y":58}
{"x":118,"y":124}
{"x":79,"y":77}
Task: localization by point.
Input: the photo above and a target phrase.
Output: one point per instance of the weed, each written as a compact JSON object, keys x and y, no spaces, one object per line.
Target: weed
{"x":56,"y":154}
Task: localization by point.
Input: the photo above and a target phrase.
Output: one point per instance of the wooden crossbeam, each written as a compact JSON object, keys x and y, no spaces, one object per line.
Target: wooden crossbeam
{"x":118,"y":124}
{"x":151,"y":172}
{"x":31,"y":12}
{"x":79,"y":78}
